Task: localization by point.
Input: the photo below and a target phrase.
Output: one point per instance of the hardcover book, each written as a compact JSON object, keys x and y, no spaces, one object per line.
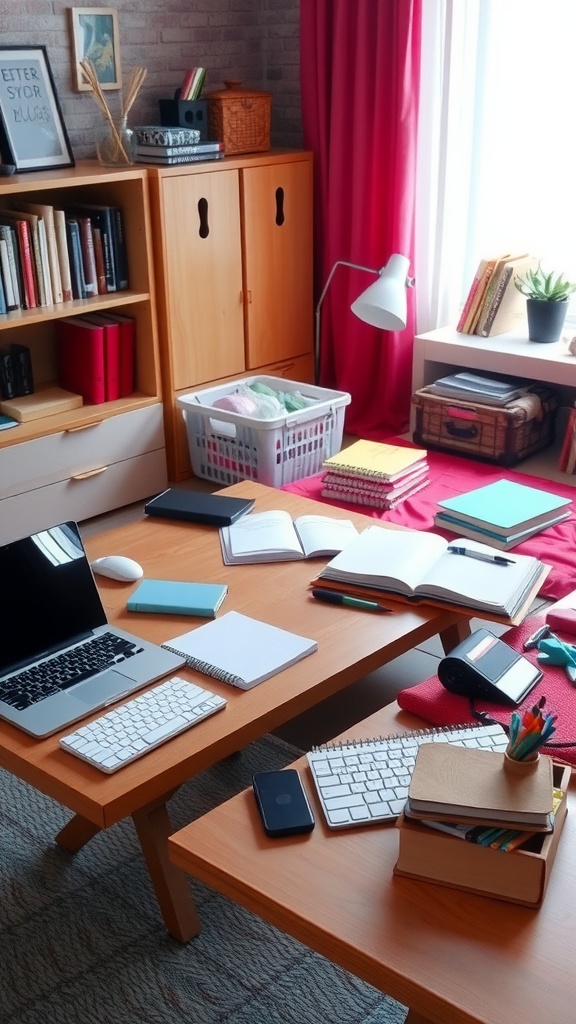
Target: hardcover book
{"x":178,"y":597}
{"x":198,"y":507}
{"x":505,"y":507}
{"x":80,"y":356}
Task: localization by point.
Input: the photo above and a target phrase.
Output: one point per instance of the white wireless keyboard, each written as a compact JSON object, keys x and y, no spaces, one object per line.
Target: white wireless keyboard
{"x":367,"y":782}
{"x":146,"y":721}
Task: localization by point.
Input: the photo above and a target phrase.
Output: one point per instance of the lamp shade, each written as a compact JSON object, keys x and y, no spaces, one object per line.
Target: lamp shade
{"x":383,"y":304}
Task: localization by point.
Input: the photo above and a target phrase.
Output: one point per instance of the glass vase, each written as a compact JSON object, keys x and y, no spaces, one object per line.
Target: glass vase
{"x":115,"y":143}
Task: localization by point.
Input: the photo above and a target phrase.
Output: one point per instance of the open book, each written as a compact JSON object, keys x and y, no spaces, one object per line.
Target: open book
{"x":275,"y":537}
{"x":420,"y":567}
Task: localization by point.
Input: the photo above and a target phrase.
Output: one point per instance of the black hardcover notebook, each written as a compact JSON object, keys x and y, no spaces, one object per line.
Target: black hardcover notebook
{"x":198,"y":507}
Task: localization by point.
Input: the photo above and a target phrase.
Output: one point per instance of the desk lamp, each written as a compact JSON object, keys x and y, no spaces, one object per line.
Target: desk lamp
{"x":382,"y":304}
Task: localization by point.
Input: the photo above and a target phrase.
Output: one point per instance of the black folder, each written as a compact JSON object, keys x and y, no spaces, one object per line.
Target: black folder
{"x":198,"y":507}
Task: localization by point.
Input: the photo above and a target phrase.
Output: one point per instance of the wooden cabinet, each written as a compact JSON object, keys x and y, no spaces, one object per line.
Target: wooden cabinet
{"x":94,"y":458}
{"x":233,"y":258}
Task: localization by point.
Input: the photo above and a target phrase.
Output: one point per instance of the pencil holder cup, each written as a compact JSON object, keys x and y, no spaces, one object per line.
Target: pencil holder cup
{"x":524,"y":767}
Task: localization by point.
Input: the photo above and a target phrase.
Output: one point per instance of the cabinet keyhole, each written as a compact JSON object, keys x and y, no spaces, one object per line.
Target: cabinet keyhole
{"x":279,"y":207}
{"x":203,"y":228}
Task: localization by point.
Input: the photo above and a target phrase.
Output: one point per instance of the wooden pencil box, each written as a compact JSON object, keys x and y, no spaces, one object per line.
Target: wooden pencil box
{"x":501,"y":434}
{"x":520,"y":876}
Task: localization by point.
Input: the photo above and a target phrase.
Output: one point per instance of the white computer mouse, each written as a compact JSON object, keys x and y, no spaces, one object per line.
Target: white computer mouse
{"x":118,"y":567}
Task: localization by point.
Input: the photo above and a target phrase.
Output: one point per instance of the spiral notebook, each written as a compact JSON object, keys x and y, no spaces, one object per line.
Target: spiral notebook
{"x":240,"y":650}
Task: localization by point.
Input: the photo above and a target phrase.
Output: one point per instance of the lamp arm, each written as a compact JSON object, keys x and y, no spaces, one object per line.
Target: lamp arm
{"x":339,"y":263}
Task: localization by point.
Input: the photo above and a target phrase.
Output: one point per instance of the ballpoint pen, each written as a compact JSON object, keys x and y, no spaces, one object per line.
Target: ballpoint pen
{"x":480,"y":556}
{"x":351,"y":602}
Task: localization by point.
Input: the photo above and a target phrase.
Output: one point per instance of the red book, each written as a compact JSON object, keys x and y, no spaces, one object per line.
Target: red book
{"x":111,"y":352}
{"x":127,"y":347}
{"x":80,"y":354}
{"x":26,"y":264}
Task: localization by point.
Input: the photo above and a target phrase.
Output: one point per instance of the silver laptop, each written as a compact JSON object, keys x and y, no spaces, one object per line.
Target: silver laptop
{"x":59,"y":657}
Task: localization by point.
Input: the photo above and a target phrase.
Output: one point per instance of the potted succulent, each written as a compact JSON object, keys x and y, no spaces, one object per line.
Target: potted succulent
{"x":546,"y":302}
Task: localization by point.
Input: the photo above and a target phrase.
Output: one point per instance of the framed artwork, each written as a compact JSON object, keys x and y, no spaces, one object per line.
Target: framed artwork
{"x":95,"y":38}
{"x":33,"y":135}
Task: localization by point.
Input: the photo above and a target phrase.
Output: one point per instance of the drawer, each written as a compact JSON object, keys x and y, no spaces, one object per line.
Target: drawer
{"x":118,"y":484}
{"x":58,"y":457}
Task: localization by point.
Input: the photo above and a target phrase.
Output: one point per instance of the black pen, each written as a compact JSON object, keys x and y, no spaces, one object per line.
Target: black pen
{"x":351,"y":602}
{"x":480,"y":556}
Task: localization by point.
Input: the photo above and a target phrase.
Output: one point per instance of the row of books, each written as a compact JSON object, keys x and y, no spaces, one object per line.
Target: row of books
{"x":493,"y":304}
{"x":470,"y":824}
{"x":567,"y":459}
{"x":50,"y":255}
{"x":96,"y":355}
{"x":502,"y":514}
{"x":374,"y":474}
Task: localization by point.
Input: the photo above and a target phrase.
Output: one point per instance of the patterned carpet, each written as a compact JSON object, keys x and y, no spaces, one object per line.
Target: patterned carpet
{"x":82,"y":940}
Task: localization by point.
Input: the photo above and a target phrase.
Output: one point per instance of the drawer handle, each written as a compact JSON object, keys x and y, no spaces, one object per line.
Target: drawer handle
{"x":89,"y":473}
{"x":463,"y":432}
{"x":82,"y":426}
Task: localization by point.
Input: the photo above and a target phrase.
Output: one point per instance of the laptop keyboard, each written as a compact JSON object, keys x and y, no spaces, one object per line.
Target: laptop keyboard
{"x":66,"y":669}
{"x":367,"y":782}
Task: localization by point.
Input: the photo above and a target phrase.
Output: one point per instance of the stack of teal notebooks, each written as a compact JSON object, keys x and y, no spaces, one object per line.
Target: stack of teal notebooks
{"x":502,"y":514}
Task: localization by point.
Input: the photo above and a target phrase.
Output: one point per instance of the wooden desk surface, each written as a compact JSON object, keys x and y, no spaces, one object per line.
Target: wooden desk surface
{"x":452,"y":957}
{"x":351,"y":643}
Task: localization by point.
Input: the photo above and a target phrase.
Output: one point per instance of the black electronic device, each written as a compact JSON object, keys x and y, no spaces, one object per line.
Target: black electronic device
{"x":198,"y":507}
{"x":282,"y":803}
{"x":483,"y":666}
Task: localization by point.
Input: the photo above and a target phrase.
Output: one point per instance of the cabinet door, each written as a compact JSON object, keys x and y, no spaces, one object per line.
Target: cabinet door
{"x":203,"y":276}
{"x":277,"y":203}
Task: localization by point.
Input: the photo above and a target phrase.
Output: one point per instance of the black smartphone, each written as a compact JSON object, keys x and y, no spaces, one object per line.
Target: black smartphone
{"x":282,"y":803}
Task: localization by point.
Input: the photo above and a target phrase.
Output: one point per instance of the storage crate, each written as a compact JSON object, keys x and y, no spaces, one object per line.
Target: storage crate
{"x":240,"y":118}
{"x":226,"y":447}
{"x":501,"y":434}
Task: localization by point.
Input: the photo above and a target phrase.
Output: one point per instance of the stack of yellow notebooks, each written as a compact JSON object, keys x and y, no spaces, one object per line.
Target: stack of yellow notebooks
{"x":375,"y":474}
{"x":470,"y":824}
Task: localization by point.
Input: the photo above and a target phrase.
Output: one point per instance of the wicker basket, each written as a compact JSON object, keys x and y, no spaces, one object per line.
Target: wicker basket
{"x":240,"y":118}
{"x":504,"y":435}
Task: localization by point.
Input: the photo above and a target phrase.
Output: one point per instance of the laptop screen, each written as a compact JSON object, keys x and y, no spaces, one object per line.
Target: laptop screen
{"x":48,"y":597}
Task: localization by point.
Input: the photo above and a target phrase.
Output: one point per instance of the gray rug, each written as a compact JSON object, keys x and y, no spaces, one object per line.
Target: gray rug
{"x":82,"y":941}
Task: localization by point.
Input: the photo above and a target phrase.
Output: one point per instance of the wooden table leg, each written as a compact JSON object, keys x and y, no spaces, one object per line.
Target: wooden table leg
{"x":451,"y":637}
{"x":171,"y":885}
{"x":77,"y":833}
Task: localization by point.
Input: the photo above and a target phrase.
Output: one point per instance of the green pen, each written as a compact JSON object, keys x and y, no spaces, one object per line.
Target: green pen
{"x":351,"y":602}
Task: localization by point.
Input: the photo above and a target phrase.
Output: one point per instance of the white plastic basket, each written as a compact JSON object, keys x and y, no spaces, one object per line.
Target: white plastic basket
{"x":226,"y":447}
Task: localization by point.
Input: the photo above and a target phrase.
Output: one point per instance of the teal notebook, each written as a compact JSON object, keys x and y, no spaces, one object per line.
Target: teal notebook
{"x":171,"y":596}
{"x":505,"y":507}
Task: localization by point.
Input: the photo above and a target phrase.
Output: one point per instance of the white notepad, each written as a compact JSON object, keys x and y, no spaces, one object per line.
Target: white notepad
{"x":240,"y":650}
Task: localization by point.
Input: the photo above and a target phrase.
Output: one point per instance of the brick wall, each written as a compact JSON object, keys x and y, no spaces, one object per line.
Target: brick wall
{"x":255,"y":41}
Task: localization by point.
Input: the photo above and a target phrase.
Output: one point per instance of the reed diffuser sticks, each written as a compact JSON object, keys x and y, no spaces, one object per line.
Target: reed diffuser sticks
{"x":118,"y":152}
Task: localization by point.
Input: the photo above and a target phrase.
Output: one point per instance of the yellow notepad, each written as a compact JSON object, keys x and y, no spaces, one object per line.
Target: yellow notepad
{"x":374,"y":459}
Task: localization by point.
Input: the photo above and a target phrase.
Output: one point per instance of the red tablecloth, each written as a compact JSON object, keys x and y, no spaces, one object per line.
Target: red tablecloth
{"x":451,"y":475}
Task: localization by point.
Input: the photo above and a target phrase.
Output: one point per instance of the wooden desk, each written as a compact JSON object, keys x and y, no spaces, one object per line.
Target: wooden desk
{"x":452,"y":957}
{"x":350,"y":644}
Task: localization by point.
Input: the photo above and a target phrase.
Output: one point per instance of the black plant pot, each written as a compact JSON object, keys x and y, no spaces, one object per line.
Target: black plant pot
{"x":545,"y":319}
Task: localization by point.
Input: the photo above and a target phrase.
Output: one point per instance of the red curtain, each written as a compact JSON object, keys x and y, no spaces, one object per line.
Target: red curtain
{"x":360,"y":70}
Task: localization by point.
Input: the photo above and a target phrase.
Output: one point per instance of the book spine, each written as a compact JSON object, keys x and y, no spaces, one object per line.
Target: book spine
{"x":8,"y":235}
{"x":460,"y":327}
{"x":207,"y":669}
{"x":472,"y":319}
{"x":26,"y":265}
{"x":7,"y":276}
{"x":193,"y":158}
{"x":169,"y":151}
{"x":76,"y":266}
{"x":53,"y":261}
{"x":99,"y":257}
{"x":63,"y":255}
{"x":88,"y":255}
{"x":488,"y":320}
{"x":3,"y":305}
{"x":120,"y":253}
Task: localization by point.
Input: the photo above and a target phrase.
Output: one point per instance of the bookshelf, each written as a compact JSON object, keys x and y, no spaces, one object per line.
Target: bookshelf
{"x":88,"y":460}
{"x":445,"y":350}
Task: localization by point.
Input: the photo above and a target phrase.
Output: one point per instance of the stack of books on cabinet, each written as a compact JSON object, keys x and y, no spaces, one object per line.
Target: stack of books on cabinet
{"x":164,"y":146}
{"x":476,"y":387}
{"x":493,"y":304}
{"x":49,"y":255}
{"x":374,"y":474}
{"x":470,"y":824}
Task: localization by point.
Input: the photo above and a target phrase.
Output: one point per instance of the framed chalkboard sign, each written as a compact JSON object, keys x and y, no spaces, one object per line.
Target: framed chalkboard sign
{"x":33,"y":133}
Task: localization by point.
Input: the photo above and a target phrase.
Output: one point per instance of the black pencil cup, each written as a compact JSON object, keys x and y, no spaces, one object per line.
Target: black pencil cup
{"x":185,"y":114}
